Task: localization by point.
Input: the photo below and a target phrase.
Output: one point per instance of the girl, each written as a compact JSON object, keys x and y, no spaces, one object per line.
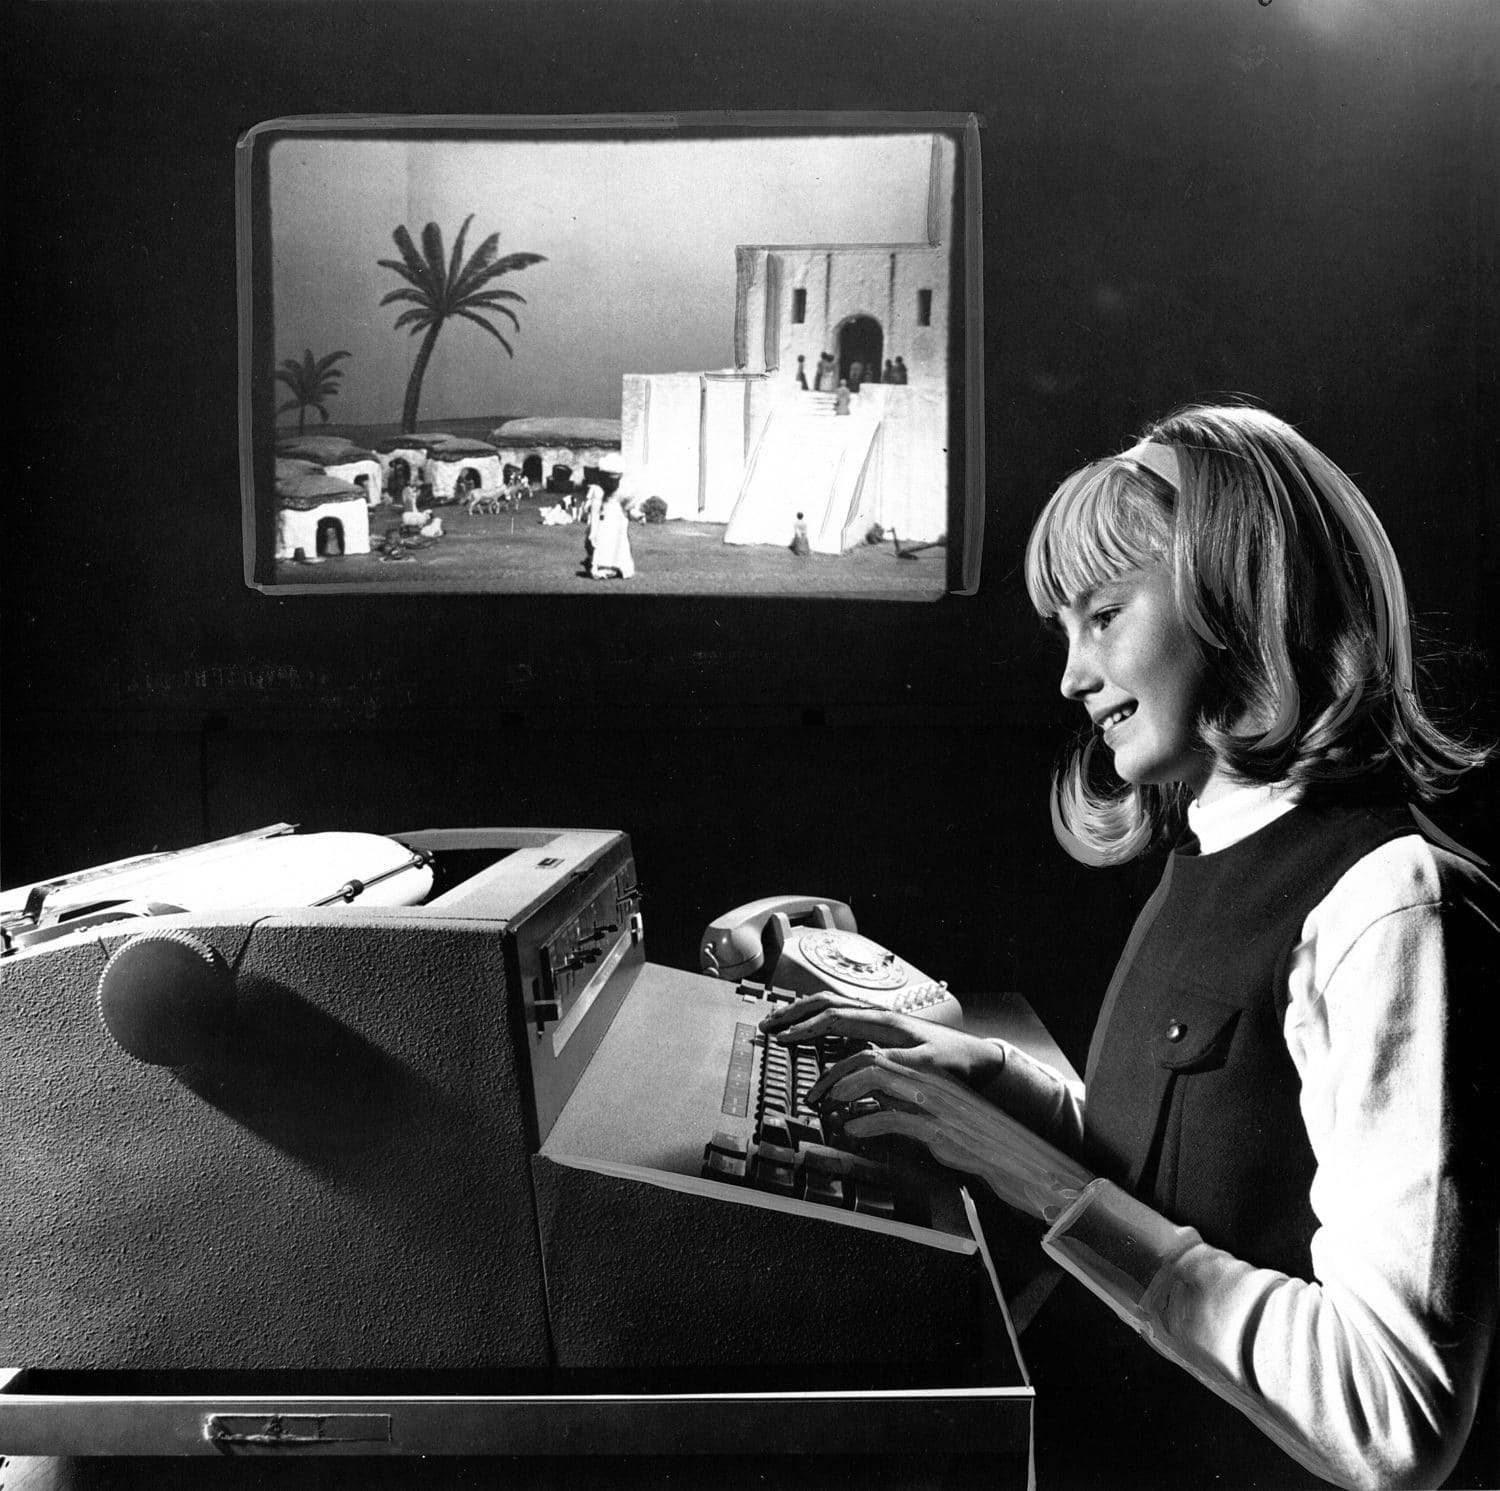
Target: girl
{"x":1279,"y":1172}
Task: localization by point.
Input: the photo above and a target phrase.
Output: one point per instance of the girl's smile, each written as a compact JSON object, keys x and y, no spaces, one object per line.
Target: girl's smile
{"x":1135,"y":665}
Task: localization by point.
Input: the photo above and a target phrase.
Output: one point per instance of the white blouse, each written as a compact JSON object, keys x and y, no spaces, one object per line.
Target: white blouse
{"x":1368,"y":1376}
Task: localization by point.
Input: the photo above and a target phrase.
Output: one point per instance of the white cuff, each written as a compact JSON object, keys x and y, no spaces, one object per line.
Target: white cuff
{"x":1117,"y":1247}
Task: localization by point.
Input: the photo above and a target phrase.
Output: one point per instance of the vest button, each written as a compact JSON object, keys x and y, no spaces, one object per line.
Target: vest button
{"x":1176,"y":1030}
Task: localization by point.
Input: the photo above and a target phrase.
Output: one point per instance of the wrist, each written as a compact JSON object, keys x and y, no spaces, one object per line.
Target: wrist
{"x":986,"y":1062}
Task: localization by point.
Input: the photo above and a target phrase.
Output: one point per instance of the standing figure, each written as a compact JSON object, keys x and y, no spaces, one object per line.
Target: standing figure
{"x":586,"y":511}
{"x":609,"y":539}
{"x":801,"y":546}
{"x":801,"y":372}
{"x":1277,"y":1186}
{"x":841,"y":398}
{"x":898,"y":373}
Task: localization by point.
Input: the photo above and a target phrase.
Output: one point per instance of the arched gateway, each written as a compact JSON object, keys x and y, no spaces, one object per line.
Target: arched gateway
{"x":861,"y":341}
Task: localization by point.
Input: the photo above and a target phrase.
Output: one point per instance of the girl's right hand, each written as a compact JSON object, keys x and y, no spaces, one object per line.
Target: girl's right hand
{"x":920,"y":1045}
{"x":958,"y":1128}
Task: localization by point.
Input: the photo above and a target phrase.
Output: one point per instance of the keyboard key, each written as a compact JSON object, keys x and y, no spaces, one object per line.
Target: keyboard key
{"x":801,"y":1132}
{"x":874,"y":1201}
{"x":773,"y":1170}
{"x":727,"y":1167}
{"x":825,"y":1160}
{"x":728,"y":1143}
{"x":842,"y":1162}
{"x":774,"y":1154}
{"x":832,"y":1048}
{"x":826,"y":1189}
{"x":774,"y":1130}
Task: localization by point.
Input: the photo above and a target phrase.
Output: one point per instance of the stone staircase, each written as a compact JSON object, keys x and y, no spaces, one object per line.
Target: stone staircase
{"x":812,"y":460}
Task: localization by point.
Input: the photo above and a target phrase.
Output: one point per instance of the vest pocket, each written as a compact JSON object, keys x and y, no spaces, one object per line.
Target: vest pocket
{"x":1191,"y":1046}
{"x":1144,"y":1088}
{"x":1194,"y":1034}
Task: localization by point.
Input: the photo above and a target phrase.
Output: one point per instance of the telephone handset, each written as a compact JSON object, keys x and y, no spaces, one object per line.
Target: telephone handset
{"x":806,"y":944}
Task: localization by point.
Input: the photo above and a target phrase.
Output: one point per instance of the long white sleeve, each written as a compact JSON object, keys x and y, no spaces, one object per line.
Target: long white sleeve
{"x":1367,"y":1375}
{"x":1039,"y":1096}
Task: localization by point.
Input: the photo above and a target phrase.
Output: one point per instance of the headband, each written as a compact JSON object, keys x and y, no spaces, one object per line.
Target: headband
{"x":1162,"y":459}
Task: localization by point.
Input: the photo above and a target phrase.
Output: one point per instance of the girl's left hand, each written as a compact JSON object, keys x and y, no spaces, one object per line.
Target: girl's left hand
{"x":922,"y":1044}
{"x":959,"y":1128}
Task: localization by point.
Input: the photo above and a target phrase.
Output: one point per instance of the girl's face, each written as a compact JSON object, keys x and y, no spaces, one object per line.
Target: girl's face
{"x":1135,"y":665}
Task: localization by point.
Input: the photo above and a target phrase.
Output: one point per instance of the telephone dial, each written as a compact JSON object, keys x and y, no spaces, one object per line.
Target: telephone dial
{"x":808,"y":944}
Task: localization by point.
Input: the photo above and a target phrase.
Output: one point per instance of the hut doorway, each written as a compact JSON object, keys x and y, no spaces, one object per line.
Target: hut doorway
{"x":330,"y":538}
{"x":861,"y":341}
{"x":400,"y":475}
{"x":531,"y":469}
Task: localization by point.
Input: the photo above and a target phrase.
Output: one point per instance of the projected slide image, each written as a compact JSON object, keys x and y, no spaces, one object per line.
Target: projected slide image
{"x":620,"y":357}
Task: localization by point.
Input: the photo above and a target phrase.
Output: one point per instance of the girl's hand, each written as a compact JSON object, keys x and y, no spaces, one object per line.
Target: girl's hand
{"x":921,"y":1045}
{"x":958,"y":1128}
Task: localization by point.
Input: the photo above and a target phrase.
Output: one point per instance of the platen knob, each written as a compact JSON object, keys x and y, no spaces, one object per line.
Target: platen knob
{"x":167,"y":998}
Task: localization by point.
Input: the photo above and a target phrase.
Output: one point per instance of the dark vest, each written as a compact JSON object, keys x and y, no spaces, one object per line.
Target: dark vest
{"x":1192,"y":1095}
{"x":1192,"y":1105}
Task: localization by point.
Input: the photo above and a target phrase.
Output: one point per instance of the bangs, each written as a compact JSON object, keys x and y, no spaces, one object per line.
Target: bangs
{"x":1102,"y":521}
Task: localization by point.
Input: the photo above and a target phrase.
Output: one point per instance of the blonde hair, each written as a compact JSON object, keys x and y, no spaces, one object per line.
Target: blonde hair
{"x":1289,"y":583}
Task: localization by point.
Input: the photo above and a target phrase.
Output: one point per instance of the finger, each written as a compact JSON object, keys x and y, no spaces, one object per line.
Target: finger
{"x":793,"y":1013}
{"x":881,"y":1078}
{"x":838,"y":1071}
{"x":799,"y":1009}
{"x":854,"y":1025}
{"x":924,"y":1128}
{"x":800,"y":1033}
{"x":918,"y":1126}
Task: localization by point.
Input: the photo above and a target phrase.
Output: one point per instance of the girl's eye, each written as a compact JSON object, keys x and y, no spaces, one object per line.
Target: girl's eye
{"x":1102,"y":618}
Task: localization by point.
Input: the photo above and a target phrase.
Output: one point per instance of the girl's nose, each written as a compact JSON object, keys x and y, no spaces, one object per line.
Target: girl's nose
{"x":1079,"y":676}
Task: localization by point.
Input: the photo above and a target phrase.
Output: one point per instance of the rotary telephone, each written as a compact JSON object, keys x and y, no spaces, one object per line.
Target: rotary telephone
{"x":806,"y":944}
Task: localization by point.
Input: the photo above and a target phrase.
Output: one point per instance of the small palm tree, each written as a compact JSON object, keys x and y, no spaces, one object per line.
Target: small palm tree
{"x":439,"y":288}
{"x":312,"y":381}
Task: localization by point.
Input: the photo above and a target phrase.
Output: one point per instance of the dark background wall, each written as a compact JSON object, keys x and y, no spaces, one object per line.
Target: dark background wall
{"x":1296,"y":201}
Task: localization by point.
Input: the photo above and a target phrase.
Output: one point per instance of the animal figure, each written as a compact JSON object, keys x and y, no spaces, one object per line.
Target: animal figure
{"x":487,"y":499}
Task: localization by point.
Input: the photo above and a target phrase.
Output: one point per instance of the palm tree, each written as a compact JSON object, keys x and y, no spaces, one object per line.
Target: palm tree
{"x":439,"y":289}
{"x":312,"y":382}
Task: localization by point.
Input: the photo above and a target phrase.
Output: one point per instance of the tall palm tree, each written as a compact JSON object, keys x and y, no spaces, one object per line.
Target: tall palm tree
{"x":438,"y":289}
{"x":312,"y":381}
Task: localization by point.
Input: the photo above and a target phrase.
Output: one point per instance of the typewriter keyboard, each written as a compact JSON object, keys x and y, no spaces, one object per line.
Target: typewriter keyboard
{"x":773,"y":1141}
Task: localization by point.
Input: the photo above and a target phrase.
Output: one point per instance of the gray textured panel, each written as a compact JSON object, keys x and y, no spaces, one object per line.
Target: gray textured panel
{"x":639,"y":1276}
{"x":347,"y":1186}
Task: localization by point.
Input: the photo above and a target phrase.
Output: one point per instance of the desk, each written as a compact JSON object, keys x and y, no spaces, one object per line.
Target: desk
{"x":1010,"y":1017}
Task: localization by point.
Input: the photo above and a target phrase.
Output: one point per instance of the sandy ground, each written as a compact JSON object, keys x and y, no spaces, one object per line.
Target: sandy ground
{"x":515,"y":552}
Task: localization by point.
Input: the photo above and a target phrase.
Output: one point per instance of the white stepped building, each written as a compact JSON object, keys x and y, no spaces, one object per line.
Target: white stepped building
{"x":749,"y":448}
